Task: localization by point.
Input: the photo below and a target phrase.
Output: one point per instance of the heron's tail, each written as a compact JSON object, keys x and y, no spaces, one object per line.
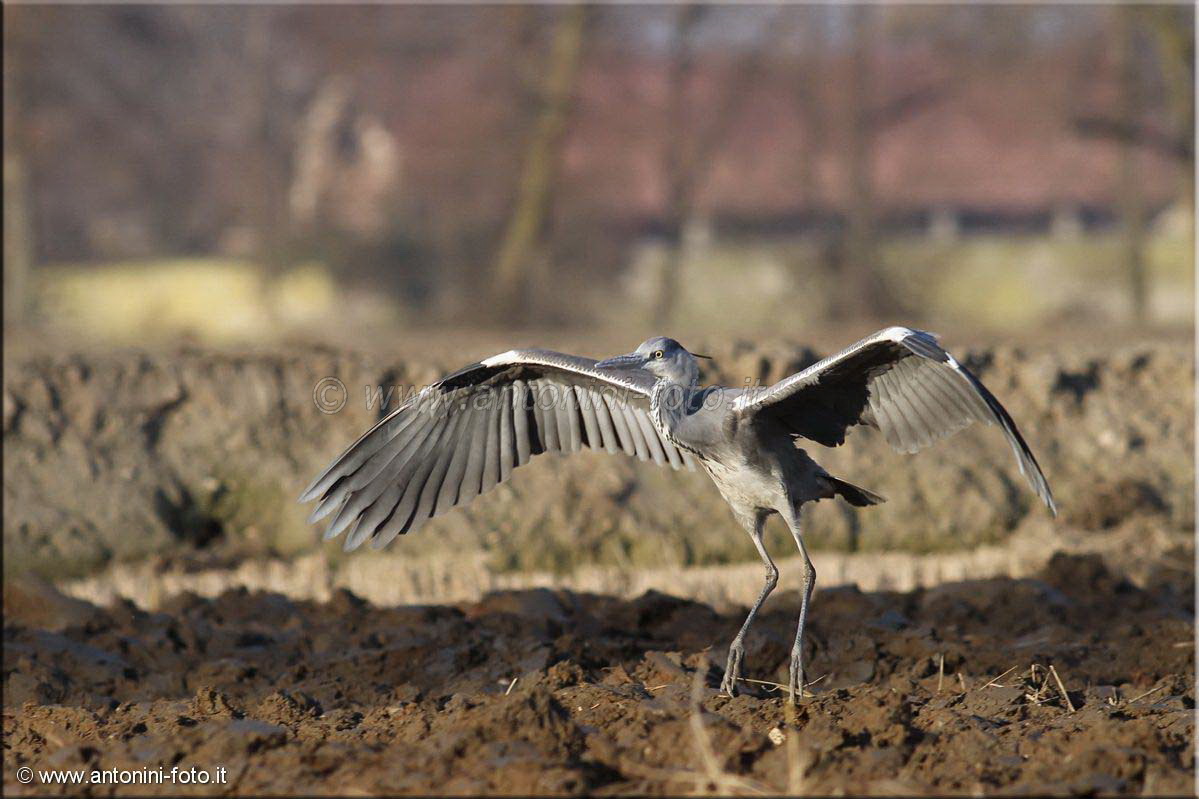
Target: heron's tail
{"x":855,"y":495}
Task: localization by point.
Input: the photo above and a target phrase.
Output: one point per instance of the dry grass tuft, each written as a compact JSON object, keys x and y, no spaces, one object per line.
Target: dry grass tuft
{"x":1060,"y":687}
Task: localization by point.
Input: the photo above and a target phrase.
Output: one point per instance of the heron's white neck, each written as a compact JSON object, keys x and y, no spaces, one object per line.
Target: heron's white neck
{"x":668,"y":404}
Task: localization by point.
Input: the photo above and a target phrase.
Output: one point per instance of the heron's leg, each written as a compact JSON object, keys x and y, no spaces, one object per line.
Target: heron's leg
{"x":796,"y":682}
{"x":732,"y":670}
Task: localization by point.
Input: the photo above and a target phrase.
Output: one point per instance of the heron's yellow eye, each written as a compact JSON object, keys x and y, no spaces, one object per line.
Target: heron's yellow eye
{"x":658,"y":354}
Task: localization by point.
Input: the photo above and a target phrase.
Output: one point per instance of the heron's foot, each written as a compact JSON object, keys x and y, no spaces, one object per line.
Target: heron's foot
{"x":796,"y":683}
{"x":732,"y":670}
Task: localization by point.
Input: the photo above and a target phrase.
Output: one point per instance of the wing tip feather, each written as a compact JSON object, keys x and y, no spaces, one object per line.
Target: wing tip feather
{"x":321,"y":511}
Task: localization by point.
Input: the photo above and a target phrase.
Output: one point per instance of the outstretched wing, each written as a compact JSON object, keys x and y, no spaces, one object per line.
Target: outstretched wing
{"x":466,"y":433}
{"x":899,"y":381}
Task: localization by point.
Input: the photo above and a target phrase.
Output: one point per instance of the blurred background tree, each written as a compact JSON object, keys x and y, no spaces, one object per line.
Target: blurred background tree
{"x":631,"y":166}
{"x":18,"y":244}
{"x":520,"y":258}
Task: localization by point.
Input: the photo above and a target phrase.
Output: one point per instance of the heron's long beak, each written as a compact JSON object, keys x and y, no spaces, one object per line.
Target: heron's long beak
{"x":630,"y":361}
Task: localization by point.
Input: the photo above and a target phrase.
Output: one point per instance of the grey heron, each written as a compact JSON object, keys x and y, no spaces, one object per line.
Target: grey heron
{"x":463,"y":435}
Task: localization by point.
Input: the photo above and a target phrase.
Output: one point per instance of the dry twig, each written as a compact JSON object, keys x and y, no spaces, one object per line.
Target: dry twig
{"x":774,"y":686}
{"x":717,"y":776}
{"x":1036,"y":688}
{"x":1150,"y":691}
{"x":994,"y":683}
{"x":1061,"y":688}
{"x":795,"y":769}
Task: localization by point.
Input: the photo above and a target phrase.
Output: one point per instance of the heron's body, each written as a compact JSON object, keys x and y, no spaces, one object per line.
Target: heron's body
{"x":767,"y":481}
{"x":463,"y":435}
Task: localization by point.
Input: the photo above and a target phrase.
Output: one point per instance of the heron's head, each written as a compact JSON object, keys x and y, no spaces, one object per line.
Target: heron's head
{"x":662,"y":357}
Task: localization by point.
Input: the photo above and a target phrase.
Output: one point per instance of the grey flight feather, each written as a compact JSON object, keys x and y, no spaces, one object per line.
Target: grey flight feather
{"x":899,"y":381}
{"x":464,"y":435}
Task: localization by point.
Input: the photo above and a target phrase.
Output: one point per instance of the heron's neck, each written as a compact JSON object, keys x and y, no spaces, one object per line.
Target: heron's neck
{"x":668,"y":404}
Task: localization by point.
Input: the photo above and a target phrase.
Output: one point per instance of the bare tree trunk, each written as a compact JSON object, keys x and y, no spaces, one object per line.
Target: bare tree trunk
{"x":1132,"y":200}
{"x":18,"y":244}
{"x":1173,"y":28}
{"x":812,"y":114}
{"x":863,"y":293}
{"x":518,"y":251}
{"x":691,"y":145}
{"x":679,"y":159}
{"x":271,"y":181}
{"x":807,"y":95}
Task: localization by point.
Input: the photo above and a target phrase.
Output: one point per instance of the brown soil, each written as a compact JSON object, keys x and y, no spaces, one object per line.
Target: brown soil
{"x":932,"y":691}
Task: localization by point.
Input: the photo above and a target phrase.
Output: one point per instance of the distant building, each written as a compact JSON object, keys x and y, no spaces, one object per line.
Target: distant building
{"x":984,"y":148}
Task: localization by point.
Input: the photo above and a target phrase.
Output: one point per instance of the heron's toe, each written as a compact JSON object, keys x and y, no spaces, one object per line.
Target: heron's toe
{"x":796,"y":681}
{"x":732,"y":670}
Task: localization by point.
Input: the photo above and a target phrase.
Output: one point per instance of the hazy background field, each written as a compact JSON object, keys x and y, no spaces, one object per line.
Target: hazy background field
{"x":207,"y":210}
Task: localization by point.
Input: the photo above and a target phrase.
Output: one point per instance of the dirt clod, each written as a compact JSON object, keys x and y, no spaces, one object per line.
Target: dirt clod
{"x":560,"y":693}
